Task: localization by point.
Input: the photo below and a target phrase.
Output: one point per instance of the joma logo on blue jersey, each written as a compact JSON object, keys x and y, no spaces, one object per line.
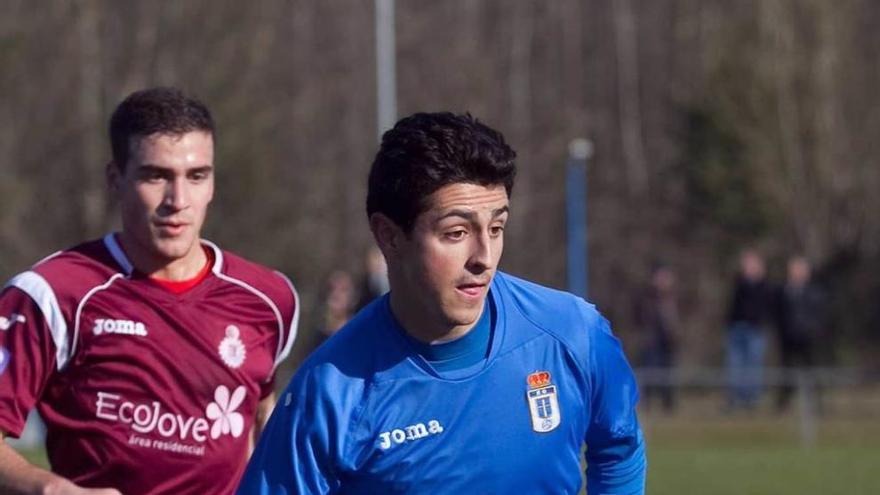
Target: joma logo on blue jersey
{"x":417,"y":431}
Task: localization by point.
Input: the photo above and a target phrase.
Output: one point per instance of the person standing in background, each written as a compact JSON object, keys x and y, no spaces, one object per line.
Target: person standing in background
{"x":746,"y":340}
{"x":801,"y":321}
{"x":375,"y":281}
{"x":657,"y":319}
{"x":338,"y":304}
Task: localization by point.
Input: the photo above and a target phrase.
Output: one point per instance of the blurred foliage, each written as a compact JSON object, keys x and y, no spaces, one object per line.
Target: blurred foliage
{"x":716,"y":124}
{"x":720,"y":191}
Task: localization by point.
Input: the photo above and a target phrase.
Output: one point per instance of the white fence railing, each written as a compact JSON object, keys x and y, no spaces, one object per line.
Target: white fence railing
{"x":806,"y":382}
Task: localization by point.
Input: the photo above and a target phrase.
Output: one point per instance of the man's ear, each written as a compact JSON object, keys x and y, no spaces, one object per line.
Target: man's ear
{"x":388,"y":234}
{"x":113,"y":176}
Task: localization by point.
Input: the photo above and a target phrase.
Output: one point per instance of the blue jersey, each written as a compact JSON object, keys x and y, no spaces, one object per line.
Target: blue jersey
{"x":366,"y":414}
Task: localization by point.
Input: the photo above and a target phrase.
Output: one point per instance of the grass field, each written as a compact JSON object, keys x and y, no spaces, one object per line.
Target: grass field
{"x":761,"y":455}
{"x":37,"y":457}
{"x":703,"y":451}
{"x":698,"y":451}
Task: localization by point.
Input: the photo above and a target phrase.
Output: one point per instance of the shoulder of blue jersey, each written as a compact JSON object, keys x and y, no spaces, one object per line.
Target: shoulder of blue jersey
{"x":560,"y":313}
{"x":352,"y":356}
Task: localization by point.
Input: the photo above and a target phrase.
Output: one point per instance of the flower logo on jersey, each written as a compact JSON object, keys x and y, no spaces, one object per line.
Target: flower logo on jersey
{"x":543,"y":403}
{"x":222,"y":411}
{"x":232,"y":350}
{"x":4,"y":359}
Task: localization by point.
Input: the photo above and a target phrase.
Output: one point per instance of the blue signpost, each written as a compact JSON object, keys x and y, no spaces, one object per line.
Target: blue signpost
{"x":580,"y":151}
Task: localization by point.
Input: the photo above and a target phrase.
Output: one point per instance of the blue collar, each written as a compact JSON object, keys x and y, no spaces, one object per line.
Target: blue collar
{"x":468,"y":350}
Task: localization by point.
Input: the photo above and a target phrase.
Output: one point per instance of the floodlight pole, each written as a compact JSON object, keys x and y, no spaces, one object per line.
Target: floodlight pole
{"x":386,"y":83}
{"x":579,"y":151}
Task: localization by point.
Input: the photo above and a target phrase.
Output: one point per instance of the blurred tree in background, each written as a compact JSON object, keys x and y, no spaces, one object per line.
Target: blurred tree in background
{"x":716,"y":125}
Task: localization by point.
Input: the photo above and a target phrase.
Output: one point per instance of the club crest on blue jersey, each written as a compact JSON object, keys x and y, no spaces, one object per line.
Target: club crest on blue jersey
{"x":543,"y":403}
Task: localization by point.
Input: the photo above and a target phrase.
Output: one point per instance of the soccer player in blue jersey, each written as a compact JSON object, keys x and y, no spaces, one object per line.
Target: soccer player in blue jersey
{"x":462,"y":379}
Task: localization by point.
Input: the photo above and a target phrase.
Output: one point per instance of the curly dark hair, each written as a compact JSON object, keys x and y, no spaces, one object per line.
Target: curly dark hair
{"x":426,"y":151}
{"x":155,"y":110}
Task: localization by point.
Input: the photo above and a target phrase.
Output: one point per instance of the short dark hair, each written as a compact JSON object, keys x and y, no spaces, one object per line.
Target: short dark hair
{"x":159,"y":110}
{"x":426,"y":151}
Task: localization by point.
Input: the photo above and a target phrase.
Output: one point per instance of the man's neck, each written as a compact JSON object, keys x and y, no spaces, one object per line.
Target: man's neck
{"x":147,"y":263}
{"x":419,"y":326}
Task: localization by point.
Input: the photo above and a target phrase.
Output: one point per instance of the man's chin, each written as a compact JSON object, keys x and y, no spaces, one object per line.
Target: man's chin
{"x":173,"y":249}
{"x":464,"y":317}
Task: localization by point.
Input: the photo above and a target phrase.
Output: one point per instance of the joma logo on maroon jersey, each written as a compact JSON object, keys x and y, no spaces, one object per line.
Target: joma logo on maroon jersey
{"x":123,"y":327}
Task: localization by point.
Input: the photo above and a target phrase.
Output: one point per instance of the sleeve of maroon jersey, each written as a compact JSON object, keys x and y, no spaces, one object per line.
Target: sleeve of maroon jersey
{"x":287,"y":300}
{"x":27,"y":358}
{"x":289,"y":307}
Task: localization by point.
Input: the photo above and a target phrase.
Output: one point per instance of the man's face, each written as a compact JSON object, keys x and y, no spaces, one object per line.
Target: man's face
{"x":448,"y":260}
{"x":664,"y":279}
{"x":798,"y":271}
{"x":752,"y":266}
{"x":164,"y":192}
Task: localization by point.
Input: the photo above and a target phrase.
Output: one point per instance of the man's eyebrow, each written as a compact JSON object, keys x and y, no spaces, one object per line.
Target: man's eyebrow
{"x":470,"y":215}
{"x":500,"y":211}
{"x":149,"y":167}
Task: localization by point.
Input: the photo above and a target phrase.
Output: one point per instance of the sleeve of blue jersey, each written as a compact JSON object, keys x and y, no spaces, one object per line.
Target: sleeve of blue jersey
{"x":293,"y":452}
{"x":616,"y":462}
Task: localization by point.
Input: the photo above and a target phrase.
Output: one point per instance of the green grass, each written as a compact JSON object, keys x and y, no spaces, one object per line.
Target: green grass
{"x":36,"y":456}
{"x":762,"y":455}
{"x":763,"y":470}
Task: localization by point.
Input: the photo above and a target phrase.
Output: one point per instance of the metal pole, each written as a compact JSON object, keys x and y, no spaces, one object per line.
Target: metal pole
{"x":806,"y":405}
{"x":579,"y":150}
{"x":386,"y":83}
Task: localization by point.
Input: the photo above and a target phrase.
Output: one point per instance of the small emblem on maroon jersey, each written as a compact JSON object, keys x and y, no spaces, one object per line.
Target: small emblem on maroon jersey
{"x":231,"y":349}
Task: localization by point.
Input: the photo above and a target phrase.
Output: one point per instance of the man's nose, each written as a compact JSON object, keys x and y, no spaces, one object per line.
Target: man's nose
{"x":481,"y":254}
{"x":176,"y":194}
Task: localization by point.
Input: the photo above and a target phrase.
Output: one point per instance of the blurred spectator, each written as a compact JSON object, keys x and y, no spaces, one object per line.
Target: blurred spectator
{"x":339,"y":302}
{"x":746,"y":341}
{"x":801,"y":321}
{"x":375,"y":281}
{"x":658,"y":325}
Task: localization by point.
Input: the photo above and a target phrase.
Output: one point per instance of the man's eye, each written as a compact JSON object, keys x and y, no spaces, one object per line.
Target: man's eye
{"x":153,"y":176}
{"x":496,"y":230}
{"x":456,"y":235}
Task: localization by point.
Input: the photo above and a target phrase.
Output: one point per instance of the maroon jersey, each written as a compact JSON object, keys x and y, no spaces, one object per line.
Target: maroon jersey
{"x":142,"y":389}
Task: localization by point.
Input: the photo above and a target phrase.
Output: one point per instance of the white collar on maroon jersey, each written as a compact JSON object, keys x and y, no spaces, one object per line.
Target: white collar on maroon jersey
{"x":122,"y":260}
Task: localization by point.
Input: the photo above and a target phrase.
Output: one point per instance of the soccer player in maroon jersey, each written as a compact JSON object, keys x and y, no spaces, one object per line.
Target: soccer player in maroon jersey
{"x":149,"y":353}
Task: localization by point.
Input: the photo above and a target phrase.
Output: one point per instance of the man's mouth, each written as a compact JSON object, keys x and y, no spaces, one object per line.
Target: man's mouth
{"x":171,"y":228}
{"x":471,"y":289}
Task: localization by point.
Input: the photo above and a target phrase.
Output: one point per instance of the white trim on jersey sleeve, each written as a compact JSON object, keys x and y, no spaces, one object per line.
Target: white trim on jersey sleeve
{"x":82,"y":303}
{"x":218,"y":256}
{"x":283,"y":352}
{"x":38,"y":289}
{"x":285,"y":343}
{"x":118,"y":254}
{"x":47,"y":258}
